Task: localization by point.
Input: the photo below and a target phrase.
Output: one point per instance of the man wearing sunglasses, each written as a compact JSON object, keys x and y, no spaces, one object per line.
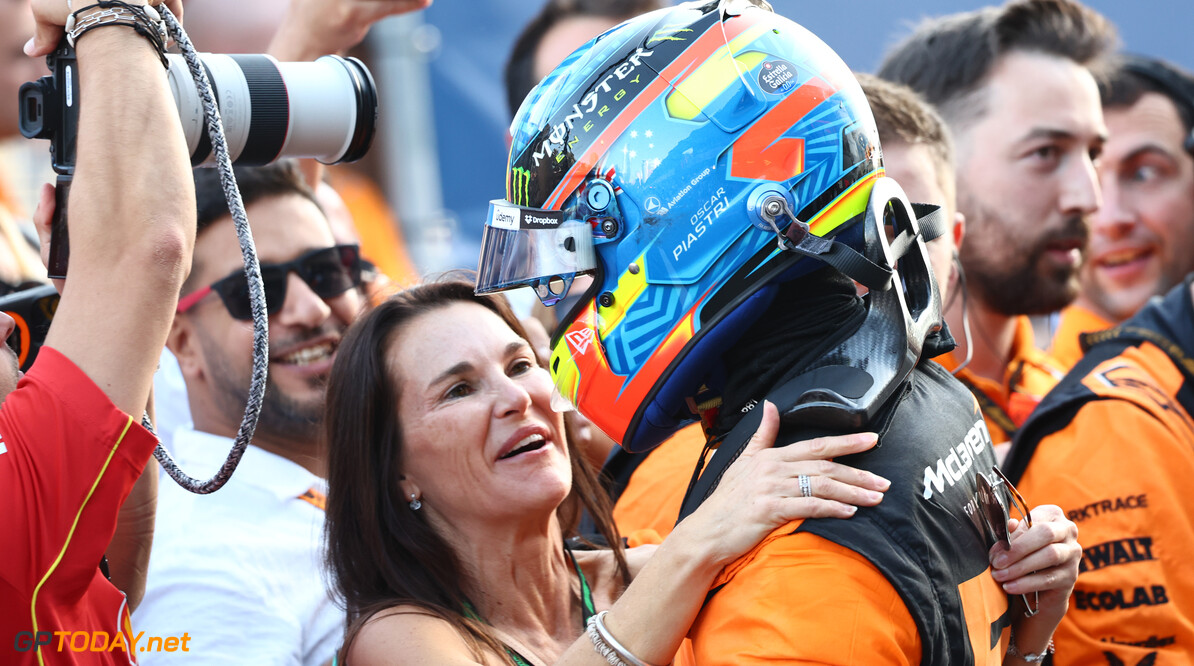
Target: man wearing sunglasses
{"x":71,"y":443}
{"x":249,"y":555}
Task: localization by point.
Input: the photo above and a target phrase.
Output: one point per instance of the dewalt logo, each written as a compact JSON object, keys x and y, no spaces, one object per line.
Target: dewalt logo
{"x":520,"y":186}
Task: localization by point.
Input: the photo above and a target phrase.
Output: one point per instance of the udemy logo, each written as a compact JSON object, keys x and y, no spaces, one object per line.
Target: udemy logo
{"x":580,"y":340}
{"x":504,"y":217}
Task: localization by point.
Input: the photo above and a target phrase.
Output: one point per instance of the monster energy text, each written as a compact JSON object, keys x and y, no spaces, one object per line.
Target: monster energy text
{"x":594,"y":102}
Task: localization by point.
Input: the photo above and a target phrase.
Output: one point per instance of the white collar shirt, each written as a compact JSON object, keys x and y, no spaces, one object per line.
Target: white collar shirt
{"x":240,"y":570}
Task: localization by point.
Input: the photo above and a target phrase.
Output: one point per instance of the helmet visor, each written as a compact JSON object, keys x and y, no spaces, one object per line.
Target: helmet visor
{"x":529,"y":247}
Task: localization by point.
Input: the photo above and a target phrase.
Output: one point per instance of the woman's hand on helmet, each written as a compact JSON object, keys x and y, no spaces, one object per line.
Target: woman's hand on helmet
{"x":764,"y":489}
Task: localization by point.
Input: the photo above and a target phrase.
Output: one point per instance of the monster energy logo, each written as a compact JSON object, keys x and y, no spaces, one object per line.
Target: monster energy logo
{"x":520,"y":186}
{"x":591,"y":111}
{"x":668,"y":34}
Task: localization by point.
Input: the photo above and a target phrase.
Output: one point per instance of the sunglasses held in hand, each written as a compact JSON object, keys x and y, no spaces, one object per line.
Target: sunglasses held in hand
{"x":992,"y":498}
{"x":328,"y":271}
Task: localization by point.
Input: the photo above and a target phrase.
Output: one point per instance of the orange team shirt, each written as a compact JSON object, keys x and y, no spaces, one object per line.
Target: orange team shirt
{"x":1028,"y":377}
{"x":1121,"y":470}
{"x":652,"y":498}
{"x":1073,"y":322}
{"x":785,"y":595}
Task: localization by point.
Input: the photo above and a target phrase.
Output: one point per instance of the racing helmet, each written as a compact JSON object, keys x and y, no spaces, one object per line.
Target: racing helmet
{"x":690,"y":160}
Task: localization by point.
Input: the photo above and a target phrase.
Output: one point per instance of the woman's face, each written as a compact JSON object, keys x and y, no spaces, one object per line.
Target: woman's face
{"x":479,"y":436}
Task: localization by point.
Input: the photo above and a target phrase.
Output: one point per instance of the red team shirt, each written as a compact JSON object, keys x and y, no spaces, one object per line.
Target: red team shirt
{"x":68,"y":459}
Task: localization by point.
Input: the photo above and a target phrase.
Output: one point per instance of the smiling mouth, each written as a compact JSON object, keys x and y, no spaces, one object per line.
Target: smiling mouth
{"x":309,"y":355}
{"x":528,"y":444}
{"x":1122,"y":257}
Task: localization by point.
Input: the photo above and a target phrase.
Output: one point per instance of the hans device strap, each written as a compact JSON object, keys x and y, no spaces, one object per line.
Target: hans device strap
{"x":785,"y":397}
{"x":727,"y":452}
{"x":931,"y":220}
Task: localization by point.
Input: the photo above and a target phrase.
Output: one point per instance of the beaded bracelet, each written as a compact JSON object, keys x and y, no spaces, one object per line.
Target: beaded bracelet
{"x":600,"y":645}
{"x":143,"y":19}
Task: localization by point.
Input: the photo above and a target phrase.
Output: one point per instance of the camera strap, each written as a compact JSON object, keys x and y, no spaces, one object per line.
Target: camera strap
{"x":236,"y":207}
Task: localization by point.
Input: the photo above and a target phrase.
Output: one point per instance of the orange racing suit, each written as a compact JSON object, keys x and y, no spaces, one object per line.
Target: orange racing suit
{"x":1113,"y":445}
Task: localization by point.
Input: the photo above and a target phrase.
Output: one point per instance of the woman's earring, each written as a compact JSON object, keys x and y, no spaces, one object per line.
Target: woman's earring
{"x":415,"y":504}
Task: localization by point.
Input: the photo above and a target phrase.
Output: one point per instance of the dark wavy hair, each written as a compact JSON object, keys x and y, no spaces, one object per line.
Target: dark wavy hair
{"x":520,"y":67}
{"x":380,"y":553}
{"x":948,"y":59}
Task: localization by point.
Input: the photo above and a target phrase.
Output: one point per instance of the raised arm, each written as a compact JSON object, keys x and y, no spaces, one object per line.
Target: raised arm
{"x":131,"y":209}
{"x":314,"y":28}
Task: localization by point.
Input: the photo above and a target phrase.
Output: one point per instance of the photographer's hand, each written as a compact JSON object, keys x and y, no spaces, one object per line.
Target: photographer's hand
{"x":51,"y":16}
{"x":43,"y":220}
{"x":314,"y":28}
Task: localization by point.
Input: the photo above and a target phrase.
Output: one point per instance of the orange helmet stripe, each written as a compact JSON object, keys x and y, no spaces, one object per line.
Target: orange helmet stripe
{"x":702,"y":48}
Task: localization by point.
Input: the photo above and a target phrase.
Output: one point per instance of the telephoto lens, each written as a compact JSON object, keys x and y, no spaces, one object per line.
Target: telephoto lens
{"x":326,"y":109}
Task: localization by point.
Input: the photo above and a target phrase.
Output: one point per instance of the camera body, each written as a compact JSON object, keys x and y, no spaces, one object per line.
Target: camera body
{"x":326,"y":109}
{"x":50,"y":108}
{"x":32,"y":309}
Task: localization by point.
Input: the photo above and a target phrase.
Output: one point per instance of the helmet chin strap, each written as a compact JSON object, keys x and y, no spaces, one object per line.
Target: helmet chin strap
{"x":799,"y":239}
{"x":845,"y":388}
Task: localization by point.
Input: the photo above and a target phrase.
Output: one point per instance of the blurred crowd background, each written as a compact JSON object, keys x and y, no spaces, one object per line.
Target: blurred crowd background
{"x":440,"y":153}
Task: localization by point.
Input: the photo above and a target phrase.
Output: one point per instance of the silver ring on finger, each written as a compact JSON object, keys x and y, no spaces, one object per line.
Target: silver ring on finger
{"x":806,"y":485}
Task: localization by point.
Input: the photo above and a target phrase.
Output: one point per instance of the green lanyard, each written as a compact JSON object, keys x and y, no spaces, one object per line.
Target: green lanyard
{"x":586,"y":601}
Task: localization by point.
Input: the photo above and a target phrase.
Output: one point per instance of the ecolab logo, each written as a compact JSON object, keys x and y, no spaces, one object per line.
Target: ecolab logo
{"x":953,"y":467}
{"x":580,"y":340}
{"x":594,"y":102}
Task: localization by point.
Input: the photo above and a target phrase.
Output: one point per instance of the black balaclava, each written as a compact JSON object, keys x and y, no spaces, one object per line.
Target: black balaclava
{"x":808,"y":317}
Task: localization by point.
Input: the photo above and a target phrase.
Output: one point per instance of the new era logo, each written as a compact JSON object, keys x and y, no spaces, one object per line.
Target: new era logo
{"x":580,"y":340}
